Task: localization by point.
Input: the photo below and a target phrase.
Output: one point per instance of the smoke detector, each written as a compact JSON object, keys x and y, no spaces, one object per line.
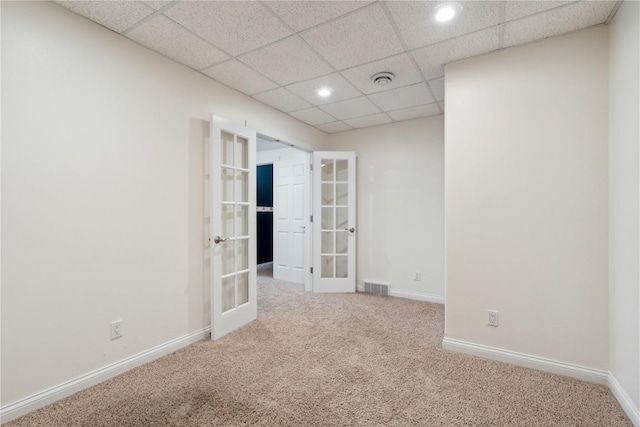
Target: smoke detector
{"x":382,"y":79}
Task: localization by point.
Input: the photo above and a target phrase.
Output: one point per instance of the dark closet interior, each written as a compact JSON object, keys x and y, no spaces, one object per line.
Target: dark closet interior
{"x":264,"y":221}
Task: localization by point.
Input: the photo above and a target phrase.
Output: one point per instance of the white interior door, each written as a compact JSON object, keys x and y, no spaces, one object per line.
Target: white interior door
{"x":334,"y":221}
{"x":289,"y":219}
{"x":233,"y":226}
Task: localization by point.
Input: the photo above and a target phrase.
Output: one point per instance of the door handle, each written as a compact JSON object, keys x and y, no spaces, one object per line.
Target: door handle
{"x":350,"y":230}
{"x":217,"y":240}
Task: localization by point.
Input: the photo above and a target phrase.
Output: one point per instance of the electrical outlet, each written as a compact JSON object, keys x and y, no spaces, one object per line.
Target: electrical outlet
{"x":116,"y":329}
{"x":417,"y":276}
{"x":492,"y":317}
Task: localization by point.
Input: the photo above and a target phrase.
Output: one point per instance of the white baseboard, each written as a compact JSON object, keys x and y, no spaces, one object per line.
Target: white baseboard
{"x":409,"y":295}
{"x":417,"y":296}
{"x":529,"y":361}
{"x":265,"y":265}
{"x":625,"y":401}
{"x":36,"y":401}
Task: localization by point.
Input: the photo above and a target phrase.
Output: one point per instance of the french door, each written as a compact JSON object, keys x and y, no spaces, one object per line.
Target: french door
{"x":232,"y":226}
{"x":334,"y":221}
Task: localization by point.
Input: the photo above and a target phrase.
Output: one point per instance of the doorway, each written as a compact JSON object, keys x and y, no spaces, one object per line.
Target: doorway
{"x":283,"y":210}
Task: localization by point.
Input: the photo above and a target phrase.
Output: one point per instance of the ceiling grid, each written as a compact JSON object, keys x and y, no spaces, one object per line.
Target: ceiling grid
{"x":281,"y":52}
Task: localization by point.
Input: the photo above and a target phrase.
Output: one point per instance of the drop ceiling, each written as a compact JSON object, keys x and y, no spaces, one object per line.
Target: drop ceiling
{"x":281,"y":52}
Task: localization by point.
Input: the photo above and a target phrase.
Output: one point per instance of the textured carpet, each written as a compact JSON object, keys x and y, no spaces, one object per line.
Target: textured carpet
{"x":333,"y":360}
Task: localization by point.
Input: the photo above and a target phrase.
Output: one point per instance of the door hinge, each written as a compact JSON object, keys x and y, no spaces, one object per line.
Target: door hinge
{"x":311,"y":270}
{"x":311,"y":218}
{"x":311,"y":164}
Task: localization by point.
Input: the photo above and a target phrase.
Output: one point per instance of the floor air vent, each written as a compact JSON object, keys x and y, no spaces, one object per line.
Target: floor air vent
{"x":376,"y":288}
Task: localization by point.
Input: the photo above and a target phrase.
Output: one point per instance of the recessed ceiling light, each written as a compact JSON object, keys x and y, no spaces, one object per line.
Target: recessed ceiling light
{"x":446,"y":11}
{"x":324,"y":92}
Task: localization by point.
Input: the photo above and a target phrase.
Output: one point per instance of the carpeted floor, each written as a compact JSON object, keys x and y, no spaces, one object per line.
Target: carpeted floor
{"x":333,"y":360}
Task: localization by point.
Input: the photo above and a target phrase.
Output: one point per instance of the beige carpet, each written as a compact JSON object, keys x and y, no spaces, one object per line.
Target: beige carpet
{"x":333,"y":360}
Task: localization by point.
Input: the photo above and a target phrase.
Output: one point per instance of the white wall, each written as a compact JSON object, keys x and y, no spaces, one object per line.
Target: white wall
{"x":526,"y":199}
{"x":400,"y":213}
{"x":102,"y":188}
{"x":286,"y":153}
{"x":624,"y":202}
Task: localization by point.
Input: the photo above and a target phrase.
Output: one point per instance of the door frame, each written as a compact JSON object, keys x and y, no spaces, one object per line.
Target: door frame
{"x":308,"y":256}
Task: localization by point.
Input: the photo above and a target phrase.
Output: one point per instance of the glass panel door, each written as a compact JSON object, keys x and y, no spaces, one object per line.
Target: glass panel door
{"x":233,"y":296}
{"x":334,"y":221}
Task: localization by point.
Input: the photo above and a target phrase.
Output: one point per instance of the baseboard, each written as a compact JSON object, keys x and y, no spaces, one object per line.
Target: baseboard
{"x":265,"y":265}
{"x":625,"y":401}
{"x":409,"y":295}
{"x":36,"y":401}
{"x":417,"y":296}
{"x":529,"y":361}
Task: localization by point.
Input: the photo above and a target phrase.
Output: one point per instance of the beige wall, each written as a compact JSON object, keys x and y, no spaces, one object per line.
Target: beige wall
{"x":400,"y":204}
{"x":526,"y":199}
{"x":624,"y":192}
{"x":102,"y":194}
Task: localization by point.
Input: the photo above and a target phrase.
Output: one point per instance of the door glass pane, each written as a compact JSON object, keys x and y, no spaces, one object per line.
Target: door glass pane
{"x":342,"y":193}
{"x":342,"y":242}
{"x":243,"y":288}
{"x":227,"y":221}
{"x":326,"y":170}
{"x":342,"y":218}
{"x":242,"y":255}
{"x":342,"y":170}
{"x":327,"y":266}
{"x":242,"y":220}
{"x":242,"y":186}
{"x":342,"y":267}
{"x":227,"y":184}
{"x":327,"y":194}
{"x":226,"y":149}
{"x":327,"y":219}
{"x":228,"y":294}
{"x":327,"y":242}
{"x":242,"y":149}
{"x":226,"y":249}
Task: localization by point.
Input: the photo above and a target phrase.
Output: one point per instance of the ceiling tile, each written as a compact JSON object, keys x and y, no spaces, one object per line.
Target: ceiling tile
{"x":351,"y":108}
{"x":170,"y":39}
{"x":437,"y":88}
{"x":313,"y":116}
{"x":157,"y":4}
{"x":374,"y":120}
{"x":404,"y":97}
{"x":418,"y":28}
{"x":301,"y":15}
{"x":518,"y":9}
{"x":115,"y":15}
{"x":334,"y":127}
{"x":557,"y":21}
{"x":235,"y":74}
{"x":282,"y":99}
{"x":415,"y":112}
{"x":401,"y":66}
{"x":431,"y":59}
{"x":342,"y":89}
{"x":368,"y":29}
{"x":275,"y":61}
{"x":234,"y":26}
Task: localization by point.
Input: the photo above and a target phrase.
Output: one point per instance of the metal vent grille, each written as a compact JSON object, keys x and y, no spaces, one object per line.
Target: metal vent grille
{"x":376,"y":288}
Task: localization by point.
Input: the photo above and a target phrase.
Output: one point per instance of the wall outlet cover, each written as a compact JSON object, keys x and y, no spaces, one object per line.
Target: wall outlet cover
{"x":492,"y":317}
